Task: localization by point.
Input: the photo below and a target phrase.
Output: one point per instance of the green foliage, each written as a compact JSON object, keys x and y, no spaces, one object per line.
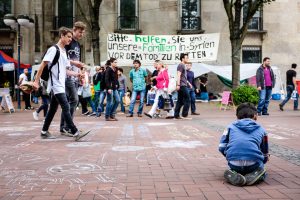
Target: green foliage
{"x":245,"y":93}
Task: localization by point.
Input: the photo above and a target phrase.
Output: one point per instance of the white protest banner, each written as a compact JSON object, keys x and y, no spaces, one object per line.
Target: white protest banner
{"x":167,"y":48}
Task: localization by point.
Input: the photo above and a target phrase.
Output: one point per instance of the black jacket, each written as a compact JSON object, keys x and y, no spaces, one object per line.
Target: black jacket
{"x":111,"y":79}
{"x":260,"y":77}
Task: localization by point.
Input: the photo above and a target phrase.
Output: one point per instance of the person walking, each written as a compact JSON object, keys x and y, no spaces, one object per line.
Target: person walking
{"x":22,"y":79}
{"x":72,"y":82}
{"x":45,"y":100}
{"x":291,"y":86}
{"x":183,"y":98}
{"x":102,"y":94}
{"x":58,"y":74}
{"x":96,"y":85}
{"x":122,"y":87}
{"x":192,"y":87}
{"x":138,"y":79}
{"x":265,"y":81}
{"x":112,"y":84}
{"x":161,"y":89}
{"x":86,"y":92}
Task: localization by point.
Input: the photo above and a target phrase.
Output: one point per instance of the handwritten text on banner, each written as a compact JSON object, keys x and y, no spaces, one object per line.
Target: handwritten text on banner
{"x":148,"y":48}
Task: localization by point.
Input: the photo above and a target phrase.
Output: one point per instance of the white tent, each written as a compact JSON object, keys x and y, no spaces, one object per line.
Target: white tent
{"x":247,"y":70}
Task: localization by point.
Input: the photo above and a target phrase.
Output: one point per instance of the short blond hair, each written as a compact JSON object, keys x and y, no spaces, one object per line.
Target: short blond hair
{"x":79,"y":25}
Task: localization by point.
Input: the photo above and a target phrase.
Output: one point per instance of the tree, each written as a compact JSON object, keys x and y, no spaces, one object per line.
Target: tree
{"x":93,"y":25}
{"x":238,"y":29}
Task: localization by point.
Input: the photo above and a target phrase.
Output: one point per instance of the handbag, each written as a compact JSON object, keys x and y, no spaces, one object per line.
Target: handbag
{"x":86,"y":91}
{"x":79,"y":92}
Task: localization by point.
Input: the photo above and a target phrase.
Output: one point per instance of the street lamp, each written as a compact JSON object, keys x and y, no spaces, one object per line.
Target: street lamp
{"x":16,"y":23}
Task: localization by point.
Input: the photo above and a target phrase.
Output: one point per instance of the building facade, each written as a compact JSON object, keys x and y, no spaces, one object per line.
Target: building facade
{"x":274,"y":31}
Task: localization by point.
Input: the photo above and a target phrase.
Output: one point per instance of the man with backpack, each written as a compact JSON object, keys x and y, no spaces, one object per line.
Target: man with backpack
{"x":53,"y":68}
{"x":73,"y":53}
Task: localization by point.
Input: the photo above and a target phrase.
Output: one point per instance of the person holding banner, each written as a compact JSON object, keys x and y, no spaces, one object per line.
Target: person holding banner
{"x":183,"y":93}
{"x":138,"y":78}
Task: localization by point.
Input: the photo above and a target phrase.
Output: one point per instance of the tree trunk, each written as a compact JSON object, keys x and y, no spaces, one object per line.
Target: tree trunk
{"x":236,"y":60}
{"x":96,"y":43}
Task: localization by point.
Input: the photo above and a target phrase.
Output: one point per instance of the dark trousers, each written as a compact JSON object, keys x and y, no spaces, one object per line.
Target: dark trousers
{"x":26,"y":98}
{"x":44,"y":106}
{"x":71,"y":92}
{"x":84,"y":104}
{"x":184,"y":100}
{"x":59,"y":99}
{"x":193,"y":99}
{"x":289,"y":91}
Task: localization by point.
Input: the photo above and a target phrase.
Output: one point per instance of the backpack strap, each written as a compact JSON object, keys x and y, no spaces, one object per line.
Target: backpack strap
{"x":54,"y":62}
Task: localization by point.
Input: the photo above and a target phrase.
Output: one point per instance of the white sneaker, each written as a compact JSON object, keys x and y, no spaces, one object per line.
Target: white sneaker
{"x":35,"y":115}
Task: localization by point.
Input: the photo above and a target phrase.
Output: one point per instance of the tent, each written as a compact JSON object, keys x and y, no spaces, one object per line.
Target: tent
{"x":247,"y":71}
{"x":4,"y":58}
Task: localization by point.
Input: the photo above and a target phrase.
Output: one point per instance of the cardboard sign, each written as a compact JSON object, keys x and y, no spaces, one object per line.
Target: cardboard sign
{"x":8,"y":67}
{"x":167,"y":48}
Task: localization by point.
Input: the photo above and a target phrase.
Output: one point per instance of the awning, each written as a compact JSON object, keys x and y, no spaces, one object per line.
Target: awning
{"x":4,"y":58}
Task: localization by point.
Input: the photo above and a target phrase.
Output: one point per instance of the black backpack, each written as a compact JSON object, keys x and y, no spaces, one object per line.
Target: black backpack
{"x":47,"y":69}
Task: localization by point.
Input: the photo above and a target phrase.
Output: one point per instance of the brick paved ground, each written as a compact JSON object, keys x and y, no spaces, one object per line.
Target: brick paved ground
{"x":141,"y":159}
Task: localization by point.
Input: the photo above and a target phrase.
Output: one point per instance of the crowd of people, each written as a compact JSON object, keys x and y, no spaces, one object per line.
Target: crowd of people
{"x":244,"y":143}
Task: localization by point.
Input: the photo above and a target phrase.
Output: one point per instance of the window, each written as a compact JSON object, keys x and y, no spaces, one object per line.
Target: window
{"x":5,"y":8}
{"x":252,"y":54}
{"x":128,"y":14}
{"x":256,"y":22}
{"x":64,"y":15}
{"x":190,"y":14}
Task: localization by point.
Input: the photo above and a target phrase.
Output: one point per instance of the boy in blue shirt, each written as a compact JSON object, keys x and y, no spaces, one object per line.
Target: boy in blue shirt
{"x":245,"y":145}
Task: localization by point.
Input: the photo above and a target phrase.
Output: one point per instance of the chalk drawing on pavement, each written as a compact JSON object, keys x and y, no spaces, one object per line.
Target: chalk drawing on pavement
{"x":129,"y":148}
{"x":84,"y":144}
{"x":178,"y":144}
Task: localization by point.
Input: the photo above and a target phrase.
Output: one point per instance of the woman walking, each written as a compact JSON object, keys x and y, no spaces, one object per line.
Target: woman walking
{"x":161,"y":88}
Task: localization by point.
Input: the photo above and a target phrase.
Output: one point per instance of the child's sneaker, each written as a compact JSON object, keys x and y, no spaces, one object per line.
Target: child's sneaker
{"x":254,"y":176}
{"x":234,"y":178}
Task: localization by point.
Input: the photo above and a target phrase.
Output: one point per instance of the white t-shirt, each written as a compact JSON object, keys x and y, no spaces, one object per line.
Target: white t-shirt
{"x":23,"y":77}
{"x":58,"y":85}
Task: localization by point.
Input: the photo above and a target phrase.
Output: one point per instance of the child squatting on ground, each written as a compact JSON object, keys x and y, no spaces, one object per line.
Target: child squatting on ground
{"x":245,"y":145}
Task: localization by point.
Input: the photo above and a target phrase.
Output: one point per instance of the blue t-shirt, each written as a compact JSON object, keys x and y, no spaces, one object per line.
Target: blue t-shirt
{"x":138,"y":79}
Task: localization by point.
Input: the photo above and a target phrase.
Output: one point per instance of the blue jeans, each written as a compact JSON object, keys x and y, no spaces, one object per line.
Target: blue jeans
{"x":184,"y":100}
{"x":121,"y":94}
{"x":193,"y":99}
{"x":96,"y":99}
{"x":89,"y":100}
{"x":133,"y":100}
{"x":289,"y":91}
{"x":100,"y":106}
{"x":204,"y":96}
{"x":44,"y":106}
{"x":59,"y":99}
{"x":264,"y":100}
{"x":112,"y":103}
